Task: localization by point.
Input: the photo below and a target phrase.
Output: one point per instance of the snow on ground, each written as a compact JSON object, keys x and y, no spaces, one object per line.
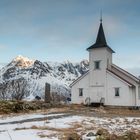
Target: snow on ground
{"x":25,"y":130}
{"x":65,"y":122}
{"x":24,"y":117}
{"x":53,"y":128}
{"x":25,"y":135}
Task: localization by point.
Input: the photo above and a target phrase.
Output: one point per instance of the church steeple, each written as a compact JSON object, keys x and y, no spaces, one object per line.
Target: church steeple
{"x":100,"y":40}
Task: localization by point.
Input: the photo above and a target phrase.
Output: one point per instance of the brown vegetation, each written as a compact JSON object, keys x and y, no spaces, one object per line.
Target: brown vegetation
{"x":103,"y":134}
{"x":15,"y":106}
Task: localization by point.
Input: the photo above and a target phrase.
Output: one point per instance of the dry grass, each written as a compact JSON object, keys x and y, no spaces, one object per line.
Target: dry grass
{"x":80,"y":128}
{"x":70,"y":136}
{"x":44,"y":134}
{"x":63,"y":133}
{"x":22,"y":128}
{"x":85,"y":125}
{"x":122,"y":111}
{"x":74,"y":127}
{"x":8,"y":107}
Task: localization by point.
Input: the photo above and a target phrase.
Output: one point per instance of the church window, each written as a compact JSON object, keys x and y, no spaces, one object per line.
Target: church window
{"x":80,"y":91}
{"x":117,"y":92}
{"x":96,"y":64}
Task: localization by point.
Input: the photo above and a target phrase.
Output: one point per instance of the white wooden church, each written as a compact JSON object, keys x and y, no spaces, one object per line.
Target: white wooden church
{"x":105,"y":82}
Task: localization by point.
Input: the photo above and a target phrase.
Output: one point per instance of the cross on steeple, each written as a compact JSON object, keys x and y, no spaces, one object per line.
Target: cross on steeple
{"x":101,"y":16}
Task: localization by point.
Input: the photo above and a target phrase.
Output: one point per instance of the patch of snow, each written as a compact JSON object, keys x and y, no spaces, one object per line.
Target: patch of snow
{"x":24,"y":135}
{"x":115,"y":125}
{"x":64,"y":122}
{"x":4,"y":119}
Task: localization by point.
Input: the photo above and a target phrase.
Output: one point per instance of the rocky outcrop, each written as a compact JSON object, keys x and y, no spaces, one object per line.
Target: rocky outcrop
{"x":37,"y":73}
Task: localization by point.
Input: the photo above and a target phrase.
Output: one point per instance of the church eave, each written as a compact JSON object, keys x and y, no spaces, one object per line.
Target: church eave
{"x":100,"y":40}
{"x":94,"y":46}
{"x":122,"y":78}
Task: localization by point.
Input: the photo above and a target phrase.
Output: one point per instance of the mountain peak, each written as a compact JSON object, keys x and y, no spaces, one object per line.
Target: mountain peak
{"x":22,"y":61}
{"x":37,"y":73}
{"x":20,"y":57}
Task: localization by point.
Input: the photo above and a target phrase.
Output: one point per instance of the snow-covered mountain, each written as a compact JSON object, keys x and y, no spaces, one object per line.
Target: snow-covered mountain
{"x":36,"y":74}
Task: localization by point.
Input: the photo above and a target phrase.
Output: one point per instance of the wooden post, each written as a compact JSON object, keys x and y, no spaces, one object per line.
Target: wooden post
{"x":47,"y":93}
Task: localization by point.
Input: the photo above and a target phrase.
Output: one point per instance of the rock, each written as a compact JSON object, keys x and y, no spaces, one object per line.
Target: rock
{"x":89,"y":136}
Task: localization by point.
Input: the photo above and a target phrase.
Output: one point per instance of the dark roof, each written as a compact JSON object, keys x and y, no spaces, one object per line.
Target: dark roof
{"x":100,"y":40}
{"x":126,"y":72}
{"x":120,"y":77}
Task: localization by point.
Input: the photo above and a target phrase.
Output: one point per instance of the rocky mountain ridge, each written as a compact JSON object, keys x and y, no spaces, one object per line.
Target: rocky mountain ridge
{"x":37,"y":73}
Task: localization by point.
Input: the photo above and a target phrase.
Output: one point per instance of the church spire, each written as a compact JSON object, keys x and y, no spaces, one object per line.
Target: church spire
{"x":100,"y":40}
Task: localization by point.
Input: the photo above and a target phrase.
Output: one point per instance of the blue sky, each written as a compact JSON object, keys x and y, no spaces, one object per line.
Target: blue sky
{"x":59,"y":30}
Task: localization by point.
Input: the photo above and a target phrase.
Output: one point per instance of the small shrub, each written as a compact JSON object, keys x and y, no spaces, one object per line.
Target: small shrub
{"x":71,"y":136}
{"x":34,"y":127}
{"x":102,"y":134}
{"x":113,"y":137}
{"x":128,"y":136}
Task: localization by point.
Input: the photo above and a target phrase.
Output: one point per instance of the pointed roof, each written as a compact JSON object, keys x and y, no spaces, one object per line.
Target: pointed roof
{"x":100,"y":40}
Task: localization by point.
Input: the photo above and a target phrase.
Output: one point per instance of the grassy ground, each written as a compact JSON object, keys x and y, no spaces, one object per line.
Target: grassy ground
{"x":72,"y":133}
{"x":7,"y":107}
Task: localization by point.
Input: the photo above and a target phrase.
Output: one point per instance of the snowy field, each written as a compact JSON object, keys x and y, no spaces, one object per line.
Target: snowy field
{"x":54,"y":128}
